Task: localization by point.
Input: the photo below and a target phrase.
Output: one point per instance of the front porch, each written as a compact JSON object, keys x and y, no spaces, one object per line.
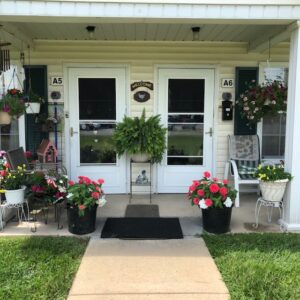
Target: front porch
{"x":170,"y":205}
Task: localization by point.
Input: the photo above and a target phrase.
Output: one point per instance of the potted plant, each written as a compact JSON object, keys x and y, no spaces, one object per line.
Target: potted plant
{"x":33,"y":102}
{"x":143,"y":138}
{"x":261,"y":100}
{"x":83,"y":198}
{"x":215,"y":198}
{"x":11,"y":106}
{"x":13,"y":184}
{"x":272,"y":181}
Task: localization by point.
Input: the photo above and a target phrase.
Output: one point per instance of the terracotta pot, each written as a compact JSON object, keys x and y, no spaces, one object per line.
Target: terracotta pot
{"x":5,"y":118}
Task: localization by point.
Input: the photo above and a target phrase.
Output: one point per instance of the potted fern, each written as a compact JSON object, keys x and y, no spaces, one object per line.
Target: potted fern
{"x":142,"y":138}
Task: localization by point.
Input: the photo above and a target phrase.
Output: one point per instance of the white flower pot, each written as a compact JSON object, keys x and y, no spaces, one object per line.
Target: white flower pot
{"x":140,"y":157}
{"x":5,"y":118}
{"x":33,"y":107}
{"x":273,"y":190}
{"x":14,"y":197}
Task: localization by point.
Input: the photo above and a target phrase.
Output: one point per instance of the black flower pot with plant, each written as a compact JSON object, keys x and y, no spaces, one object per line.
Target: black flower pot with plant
{"x":216,"y":220}
{"x":82,"y":223}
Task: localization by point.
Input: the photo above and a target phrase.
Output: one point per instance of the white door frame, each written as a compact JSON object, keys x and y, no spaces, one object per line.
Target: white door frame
{"x":214,"y":108}
{"x":66,"y":67}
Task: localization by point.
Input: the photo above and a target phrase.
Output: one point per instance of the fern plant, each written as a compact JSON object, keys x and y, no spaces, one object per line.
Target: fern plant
{"x":141,"y":135}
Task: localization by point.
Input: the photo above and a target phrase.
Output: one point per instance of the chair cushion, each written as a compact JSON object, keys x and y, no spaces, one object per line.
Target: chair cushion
{"x":246,"y":168}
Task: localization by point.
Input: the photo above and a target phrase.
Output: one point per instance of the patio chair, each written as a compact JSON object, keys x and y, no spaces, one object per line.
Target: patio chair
{"x":16,"y":158}
{"x":244,"y":157}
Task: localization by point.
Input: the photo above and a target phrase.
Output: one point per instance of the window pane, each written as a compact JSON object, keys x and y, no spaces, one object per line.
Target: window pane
{"x":273,"y":135}
{"x":96,"y":143}
{"x":185,"y":161}
{"x":185,"y":118}
{"x":186,"y":95}
{"x":97,"y":98}
{"x":9,"y":137}
{"x":185,"y":140}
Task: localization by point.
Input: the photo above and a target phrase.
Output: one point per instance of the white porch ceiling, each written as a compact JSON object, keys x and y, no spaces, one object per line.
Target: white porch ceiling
{"x":143,"y":31}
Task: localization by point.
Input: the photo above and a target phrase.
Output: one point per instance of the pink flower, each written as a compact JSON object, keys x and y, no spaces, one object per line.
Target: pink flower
{"x":100,"y":181}
{"x":206,"y":174}
{"x":225,"y":181}
{"x":223,"y":191}
{"x":196,"y":201}
{"x":192,"y":188}
{"x":214,"y":188}
{"x":208,"y":202}
{"x":81,"y":207}
{"x":71,"y":182}
{"x":95,"y":195}
{"x":200,"y":193}
{"x":215,"y":179}
{"x":195,"y":183}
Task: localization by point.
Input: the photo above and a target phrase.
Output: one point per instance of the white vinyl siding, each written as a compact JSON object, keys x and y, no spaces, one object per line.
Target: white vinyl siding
{"x":143,"y":58}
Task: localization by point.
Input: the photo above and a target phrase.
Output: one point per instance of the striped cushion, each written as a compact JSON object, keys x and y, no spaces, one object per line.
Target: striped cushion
{"x":246,"y":168}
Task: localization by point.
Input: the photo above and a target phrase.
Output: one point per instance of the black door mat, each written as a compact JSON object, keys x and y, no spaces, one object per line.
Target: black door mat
{"x":142,"y":228}
{"x":142,"y":211}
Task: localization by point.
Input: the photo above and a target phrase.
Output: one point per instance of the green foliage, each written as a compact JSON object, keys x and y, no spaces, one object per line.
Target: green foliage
{"x":141,"y":135}
{"x":13,"y":180}
{"x":33,"y":97}
{"x":13,"y":103}
{"x":258,"y":266}
{"x":271,"y":173}
{"x":35,"y":268}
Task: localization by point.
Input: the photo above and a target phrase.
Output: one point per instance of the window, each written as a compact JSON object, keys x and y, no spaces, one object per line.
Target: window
{"x":273,"y":127}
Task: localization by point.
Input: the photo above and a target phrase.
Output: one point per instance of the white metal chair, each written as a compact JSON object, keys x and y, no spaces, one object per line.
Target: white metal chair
{"x":244,"y":157}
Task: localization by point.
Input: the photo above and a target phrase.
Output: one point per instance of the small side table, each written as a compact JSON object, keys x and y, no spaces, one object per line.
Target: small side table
{"x":146,"y":184}
{"x":270,"y":205}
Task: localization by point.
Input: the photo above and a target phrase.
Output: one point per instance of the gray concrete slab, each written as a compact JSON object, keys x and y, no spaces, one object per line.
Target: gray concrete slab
{"x":166,"y":269}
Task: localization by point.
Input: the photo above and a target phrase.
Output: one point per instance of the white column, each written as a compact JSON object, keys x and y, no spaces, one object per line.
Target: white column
{"x":292,"y":143}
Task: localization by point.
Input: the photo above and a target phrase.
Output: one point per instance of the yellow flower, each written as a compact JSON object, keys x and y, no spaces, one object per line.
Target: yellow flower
{"x":259,"y":167}
{"x":19,"y":168}
{"x":2,"y":191}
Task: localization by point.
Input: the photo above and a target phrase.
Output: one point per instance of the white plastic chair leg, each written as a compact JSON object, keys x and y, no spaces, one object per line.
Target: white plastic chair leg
{"x":226,"y":171}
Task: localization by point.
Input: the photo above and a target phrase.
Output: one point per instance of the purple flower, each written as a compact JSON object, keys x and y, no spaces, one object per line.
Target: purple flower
{"x":5,"y":108}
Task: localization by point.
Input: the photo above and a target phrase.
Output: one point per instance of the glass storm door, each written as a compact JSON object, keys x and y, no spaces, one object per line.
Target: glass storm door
{"x":186,"y":106}
{"x":97,"y":102}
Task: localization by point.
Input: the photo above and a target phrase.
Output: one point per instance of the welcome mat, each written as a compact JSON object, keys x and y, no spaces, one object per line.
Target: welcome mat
{"x":142,"y":211}
{"x":142,"y":228}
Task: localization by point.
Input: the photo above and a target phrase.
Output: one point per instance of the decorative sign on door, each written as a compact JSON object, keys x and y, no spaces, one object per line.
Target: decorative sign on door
{"x":142,"y":87}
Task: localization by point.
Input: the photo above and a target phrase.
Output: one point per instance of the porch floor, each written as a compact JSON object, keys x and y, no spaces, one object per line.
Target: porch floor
{"x":170,"y":205}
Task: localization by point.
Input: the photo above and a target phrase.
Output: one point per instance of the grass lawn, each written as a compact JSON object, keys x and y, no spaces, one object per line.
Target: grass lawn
{"x":258,"y":266}
{"x":38,"y":267}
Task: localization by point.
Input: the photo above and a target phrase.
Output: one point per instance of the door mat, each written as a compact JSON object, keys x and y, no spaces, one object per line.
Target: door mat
{"x":142,"y":211}
{"x":142,"y":228}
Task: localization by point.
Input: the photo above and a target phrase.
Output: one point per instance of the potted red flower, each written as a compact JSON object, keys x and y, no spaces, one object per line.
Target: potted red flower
{"x":215,"y":198}
{"x":83,"y":198}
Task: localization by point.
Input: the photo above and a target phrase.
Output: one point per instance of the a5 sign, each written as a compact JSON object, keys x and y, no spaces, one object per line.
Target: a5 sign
{"x":55,"y":80}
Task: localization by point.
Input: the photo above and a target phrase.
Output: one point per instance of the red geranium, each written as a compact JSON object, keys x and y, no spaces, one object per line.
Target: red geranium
{"x":223,"y":191}
{"x":214,"y":188}
{"x":200,"y":193}
{"x":206,"y":174}
{"x":196,"y":201}
{"x":208,"y":202}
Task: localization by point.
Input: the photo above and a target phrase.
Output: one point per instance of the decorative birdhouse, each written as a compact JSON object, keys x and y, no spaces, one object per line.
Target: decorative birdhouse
{"x":47,"y":152}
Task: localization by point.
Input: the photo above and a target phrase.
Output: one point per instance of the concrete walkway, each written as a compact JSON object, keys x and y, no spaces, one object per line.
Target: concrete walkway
{"x":159,"y":269}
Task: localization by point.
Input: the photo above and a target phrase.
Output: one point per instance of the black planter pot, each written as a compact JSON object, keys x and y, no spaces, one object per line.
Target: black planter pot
{"x":216,"y":220}
{"x":82,"y":224}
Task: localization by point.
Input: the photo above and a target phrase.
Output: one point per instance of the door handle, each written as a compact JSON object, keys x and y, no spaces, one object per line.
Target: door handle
{"x":72,"y":132}
{"x":210,"y":132}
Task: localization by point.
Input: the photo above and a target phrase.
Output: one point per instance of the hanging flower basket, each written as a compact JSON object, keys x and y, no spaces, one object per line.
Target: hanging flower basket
{"x":33,"y":107}
{"x":261,"y":100}
{"x":5,"y":118}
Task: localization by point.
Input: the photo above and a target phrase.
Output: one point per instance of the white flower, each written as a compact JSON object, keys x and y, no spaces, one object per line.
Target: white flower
{"x":202,"y":204}
{"x":228,"y":202}
{"x":102,"y":201}
{"x":245,"y":99}
{"x":61,"y":189}
{"x":69,"y":195}
{"x":246,"y":108}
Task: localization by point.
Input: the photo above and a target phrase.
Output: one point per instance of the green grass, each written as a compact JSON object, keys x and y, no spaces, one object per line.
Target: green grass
{"x":38,"y":267}
{"x":258,"y":266}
